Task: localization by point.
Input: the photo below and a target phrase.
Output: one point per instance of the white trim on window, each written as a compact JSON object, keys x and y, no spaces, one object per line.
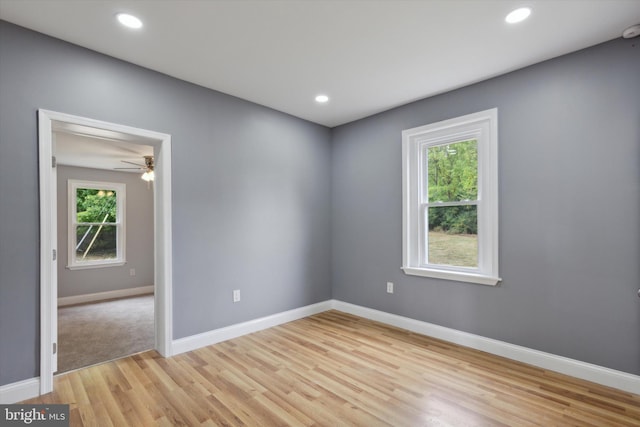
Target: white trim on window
{"x":120,"y":189}
{"x":482,"y":127}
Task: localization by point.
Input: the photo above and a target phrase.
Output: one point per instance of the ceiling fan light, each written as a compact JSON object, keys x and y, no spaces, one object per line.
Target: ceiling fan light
{"x":148,"y":176}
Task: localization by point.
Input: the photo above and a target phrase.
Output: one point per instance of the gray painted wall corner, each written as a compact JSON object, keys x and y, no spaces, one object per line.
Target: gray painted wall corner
{"x":569,"y":139}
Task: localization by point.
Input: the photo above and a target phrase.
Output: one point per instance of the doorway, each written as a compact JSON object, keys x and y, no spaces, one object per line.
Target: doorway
{"x":105,"y":258}
{"x":50,"y":123}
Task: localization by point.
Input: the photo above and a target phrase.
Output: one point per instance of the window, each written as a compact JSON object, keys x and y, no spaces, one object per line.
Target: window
{"x":96,"y":224}
{"x":450,"y":199}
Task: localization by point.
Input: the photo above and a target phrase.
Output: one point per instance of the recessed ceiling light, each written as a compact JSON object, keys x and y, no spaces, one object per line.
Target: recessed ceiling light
{"x":322,"y":99}
{"x":129,"y":21}
{"x":518,"y":15}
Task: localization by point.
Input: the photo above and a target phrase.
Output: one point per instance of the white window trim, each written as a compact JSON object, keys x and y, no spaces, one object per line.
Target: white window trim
{"x":482,"y":126}
{"x":120,"y":189}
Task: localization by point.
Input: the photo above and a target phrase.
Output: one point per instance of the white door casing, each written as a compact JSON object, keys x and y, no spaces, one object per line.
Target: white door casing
{"x":48,"y":123}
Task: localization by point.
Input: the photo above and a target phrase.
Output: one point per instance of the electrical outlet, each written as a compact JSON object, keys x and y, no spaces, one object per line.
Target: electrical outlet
{"x":236,"y":295}
{"x":132,"y":272}
{"x":389,"y":287}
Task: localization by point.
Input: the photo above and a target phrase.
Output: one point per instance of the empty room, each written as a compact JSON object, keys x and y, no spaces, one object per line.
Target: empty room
{"x":362,"y":213}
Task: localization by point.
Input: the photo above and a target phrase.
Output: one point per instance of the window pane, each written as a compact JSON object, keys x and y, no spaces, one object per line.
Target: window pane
{"x":453,"y":172}
{"x":96,"y":242}
{"x":94,"y":205}
{"x":453,"y":236}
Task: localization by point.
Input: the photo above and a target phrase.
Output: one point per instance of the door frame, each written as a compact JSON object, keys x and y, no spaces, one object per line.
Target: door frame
{"x":48,"y":123}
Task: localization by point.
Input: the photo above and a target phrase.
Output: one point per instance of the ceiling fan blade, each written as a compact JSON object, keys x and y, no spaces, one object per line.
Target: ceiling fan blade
{"x":133,"y":163}
{"x":131,"y":168}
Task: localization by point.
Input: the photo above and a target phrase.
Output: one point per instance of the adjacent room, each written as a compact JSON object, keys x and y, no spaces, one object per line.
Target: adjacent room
{"x":105,"y":307}
{"x":321,"y":213}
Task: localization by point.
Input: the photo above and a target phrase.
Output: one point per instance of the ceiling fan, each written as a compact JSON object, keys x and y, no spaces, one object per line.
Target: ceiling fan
{"x":147,"y":167}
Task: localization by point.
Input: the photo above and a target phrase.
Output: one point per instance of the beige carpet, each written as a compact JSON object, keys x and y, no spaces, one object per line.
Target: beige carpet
{"x":98,"y":332}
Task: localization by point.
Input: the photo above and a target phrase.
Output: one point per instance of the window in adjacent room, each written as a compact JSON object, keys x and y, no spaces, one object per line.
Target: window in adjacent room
{"x":96,"y":224}
{"x":450,"y":199}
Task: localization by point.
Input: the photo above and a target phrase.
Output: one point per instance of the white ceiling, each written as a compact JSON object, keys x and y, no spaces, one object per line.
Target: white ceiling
{"x":90,"y":147}
{"x":84,"y":149}
{"x":368,"y":56}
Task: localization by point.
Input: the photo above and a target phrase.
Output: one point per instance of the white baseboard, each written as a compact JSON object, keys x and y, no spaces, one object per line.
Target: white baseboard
{"x":218,"y":335}
{"x":19,"y":391}
{"x":100,"y":296}
{"x":575,"y":368}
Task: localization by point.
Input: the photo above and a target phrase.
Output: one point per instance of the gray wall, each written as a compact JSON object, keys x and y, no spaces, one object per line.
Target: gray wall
{"x":138,"y":242}
{"x":250,"y":190}
{"x":569,"y":141}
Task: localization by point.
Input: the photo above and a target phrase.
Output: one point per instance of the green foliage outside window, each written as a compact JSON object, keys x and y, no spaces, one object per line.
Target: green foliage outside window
{"x":453,"y":177}
{"x":99,"y":208}
{"x":94,"y":205}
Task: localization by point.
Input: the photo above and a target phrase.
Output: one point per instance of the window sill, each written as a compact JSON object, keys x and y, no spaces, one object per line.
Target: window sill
{"x":452,"y":275}
{"x":96,"y":265}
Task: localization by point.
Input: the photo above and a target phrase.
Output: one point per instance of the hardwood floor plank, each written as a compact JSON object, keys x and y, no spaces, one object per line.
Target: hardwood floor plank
{"x":292,"y":411}
{"x":335,"y":369}
{"x":145,"y":412}
{"x":224,"y":416}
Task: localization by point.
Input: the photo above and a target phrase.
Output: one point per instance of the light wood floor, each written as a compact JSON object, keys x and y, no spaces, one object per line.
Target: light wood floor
{"x":335,"y":369}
